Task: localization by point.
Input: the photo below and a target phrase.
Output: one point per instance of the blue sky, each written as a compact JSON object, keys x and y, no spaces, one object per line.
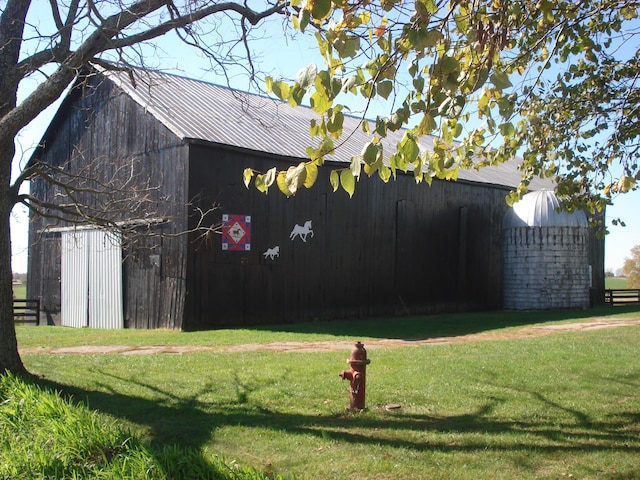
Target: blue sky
{"x":280,"y":55}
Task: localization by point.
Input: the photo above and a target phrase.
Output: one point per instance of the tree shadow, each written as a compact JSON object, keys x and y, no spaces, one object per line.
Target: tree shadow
{"x":188,"y":421}
{"x":422,"y":327}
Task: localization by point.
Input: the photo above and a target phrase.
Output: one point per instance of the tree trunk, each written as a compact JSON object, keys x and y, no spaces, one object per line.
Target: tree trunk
{"x":12,"y":21}
{"x":9,"y":357}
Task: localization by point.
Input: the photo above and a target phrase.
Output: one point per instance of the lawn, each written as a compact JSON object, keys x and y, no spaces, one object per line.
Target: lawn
{"x":615,"y":283}
{"x":556,"y":406}
{"x":20,"y":291}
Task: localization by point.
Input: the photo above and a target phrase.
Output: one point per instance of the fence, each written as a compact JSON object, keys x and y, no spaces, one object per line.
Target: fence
{"x":26,"y":311}
{"x":622,"y":296}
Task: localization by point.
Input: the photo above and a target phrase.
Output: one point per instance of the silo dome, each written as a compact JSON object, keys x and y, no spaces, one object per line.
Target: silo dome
{"x":541,"y":209}
{"x":546,"y":255}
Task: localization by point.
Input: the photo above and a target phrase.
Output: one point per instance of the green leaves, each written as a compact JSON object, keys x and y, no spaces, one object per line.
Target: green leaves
{"x":501,"y":80}
{"x":467,"y":73}
{"x":320,"y":9}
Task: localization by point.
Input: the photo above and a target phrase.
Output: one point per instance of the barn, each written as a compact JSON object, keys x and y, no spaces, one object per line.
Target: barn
{"x":164,"y":155}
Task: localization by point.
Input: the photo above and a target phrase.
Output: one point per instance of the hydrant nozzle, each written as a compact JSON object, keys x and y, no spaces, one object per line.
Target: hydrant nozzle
{"x":356,"y":375}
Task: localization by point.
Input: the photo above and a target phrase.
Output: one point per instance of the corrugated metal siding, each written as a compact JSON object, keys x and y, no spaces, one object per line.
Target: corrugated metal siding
{"x":91,"y":279}
{"x":194,"y":109}
{"x":75,"y":281}
{"x":105,"y":280}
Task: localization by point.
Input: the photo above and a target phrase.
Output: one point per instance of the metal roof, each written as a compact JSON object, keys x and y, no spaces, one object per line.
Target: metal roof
{"x":197,"y":110}
{"x":540,"y":209}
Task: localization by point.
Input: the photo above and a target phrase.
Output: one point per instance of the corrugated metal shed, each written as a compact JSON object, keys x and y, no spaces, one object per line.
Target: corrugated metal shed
{"x":197,"y":110}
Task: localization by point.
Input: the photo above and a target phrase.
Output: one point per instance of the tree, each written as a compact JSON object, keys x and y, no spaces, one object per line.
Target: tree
{"x":82,"y":33}
{"x":553,"y":80}
{"x":631,"y":268}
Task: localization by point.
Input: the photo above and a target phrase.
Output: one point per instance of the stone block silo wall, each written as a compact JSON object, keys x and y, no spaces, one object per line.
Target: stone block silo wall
{"x":546,"y":268}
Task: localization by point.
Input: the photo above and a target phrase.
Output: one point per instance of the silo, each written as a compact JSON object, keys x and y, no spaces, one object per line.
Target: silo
{"x":546,"y":255}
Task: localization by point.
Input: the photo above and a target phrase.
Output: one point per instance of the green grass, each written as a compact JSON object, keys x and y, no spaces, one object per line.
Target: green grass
{"x":406,"y":327}
{"x":542,"y":407}
{"x":615,"y":283}
{"x":20,"y":291}
{"x":43,"y":435}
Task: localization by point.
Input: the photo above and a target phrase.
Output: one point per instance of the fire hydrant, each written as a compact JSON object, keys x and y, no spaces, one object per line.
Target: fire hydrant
{"x":357,"y":376}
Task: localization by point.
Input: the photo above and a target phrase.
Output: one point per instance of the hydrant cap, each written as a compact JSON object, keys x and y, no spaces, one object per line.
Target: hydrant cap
{"x":358,"y":354}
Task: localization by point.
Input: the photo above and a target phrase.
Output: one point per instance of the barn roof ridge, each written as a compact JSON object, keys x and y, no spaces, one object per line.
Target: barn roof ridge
{"x":262,"y":123}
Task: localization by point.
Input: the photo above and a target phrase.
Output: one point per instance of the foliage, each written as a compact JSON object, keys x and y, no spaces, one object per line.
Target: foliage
{"x":631,"y":268}
{"x":551,"y":406}
{"x":553,"y":80}
{"x":42,"y":435}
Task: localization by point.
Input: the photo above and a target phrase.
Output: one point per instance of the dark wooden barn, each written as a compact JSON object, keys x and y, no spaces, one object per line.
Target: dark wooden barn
{"x":396,"y":248}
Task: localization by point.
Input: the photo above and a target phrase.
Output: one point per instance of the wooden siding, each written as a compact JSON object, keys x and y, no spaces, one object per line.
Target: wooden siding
{"x":101,"y":130}
{"x":396,"y":248}
{"x":596,"y":261}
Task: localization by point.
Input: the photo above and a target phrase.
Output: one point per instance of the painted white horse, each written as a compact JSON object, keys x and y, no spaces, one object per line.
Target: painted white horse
{"x":272,"y":253}
{"x":302,"y":231}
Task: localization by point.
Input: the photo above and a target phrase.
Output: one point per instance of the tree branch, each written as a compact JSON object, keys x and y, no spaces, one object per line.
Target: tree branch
{"x":246,"y":13}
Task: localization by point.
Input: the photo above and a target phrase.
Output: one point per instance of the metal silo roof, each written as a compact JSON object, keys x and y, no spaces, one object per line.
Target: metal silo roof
{"x":541,"y":209}
{"x":197,"y":110}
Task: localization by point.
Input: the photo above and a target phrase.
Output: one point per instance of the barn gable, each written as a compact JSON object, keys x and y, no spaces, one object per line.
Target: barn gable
{"x":100,"y":133}
{"x":396,"y":248}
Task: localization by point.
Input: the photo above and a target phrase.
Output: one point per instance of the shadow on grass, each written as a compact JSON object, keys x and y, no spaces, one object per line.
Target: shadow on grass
{"x":189,"y":422}
{"x":445,"y":325}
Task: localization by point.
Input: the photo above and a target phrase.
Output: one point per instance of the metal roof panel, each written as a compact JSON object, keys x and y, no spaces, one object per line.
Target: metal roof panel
{"x":194,"y":109}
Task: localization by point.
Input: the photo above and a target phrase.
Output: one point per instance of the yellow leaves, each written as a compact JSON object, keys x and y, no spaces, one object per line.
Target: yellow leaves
{"x":295,"y":177}
{"x":427,"y":125}
{"x":348,"y":182}
{"x":381,"y":29}
{"x":343,"y":178}
{"x":247,"y":175}
{"x":264,"y":181}
{"x":288,"y":181}
{"x":282,"y":183}
{"x":280,"y":89}
{"x":311,"y":174}
{"x":334,"y":180}
{"x":306,"y":76}
{"x":623,"y":185}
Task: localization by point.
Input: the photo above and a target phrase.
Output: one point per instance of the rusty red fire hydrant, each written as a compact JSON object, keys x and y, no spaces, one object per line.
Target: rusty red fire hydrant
{"x":357,"y":376}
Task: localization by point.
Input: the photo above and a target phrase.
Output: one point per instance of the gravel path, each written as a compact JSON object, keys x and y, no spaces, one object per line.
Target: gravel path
{"x":524,"y":332}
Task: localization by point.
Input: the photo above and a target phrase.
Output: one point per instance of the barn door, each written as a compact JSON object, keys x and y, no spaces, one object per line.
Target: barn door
{"x":74,"y":288}
{"x":91,"y":283}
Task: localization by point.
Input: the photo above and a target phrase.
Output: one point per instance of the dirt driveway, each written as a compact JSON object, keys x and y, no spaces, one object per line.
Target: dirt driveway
{"x":524,"y":332}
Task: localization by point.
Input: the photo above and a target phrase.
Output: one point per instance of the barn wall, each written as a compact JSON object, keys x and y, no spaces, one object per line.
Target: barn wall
{"x":596,"y":261}
{"x":101,"y":133}
{"x":396,"y":248}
